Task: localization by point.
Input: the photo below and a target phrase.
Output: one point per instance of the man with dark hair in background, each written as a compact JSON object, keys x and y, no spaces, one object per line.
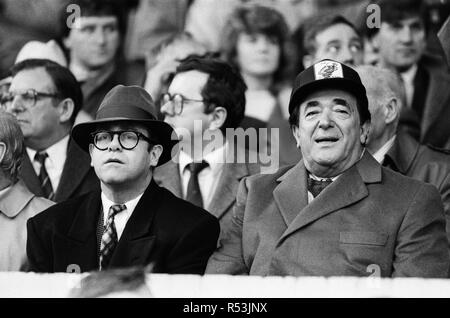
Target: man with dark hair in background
{"x":206,"y":96}
{"x":45,"y":97}
{"x":331,"y":37}
{"x":401,"y":43}
{"x":94,"y":43}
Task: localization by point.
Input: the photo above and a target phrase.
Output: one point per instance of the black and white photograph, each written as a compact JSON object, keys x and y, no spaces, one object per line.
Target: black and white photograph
{"x":224,"y":157}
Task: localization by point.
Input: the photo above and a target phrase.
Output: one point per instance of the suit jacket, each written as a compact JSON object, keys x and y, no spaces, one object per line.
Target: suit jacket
{"x":17,"y":205}
{"x":174,"y":235}
{"x":77,"y":177}
{"x":431,"y":92}
{"x":224,"y":197}
{"x":422,"y":163}
{"x":369,"y":219}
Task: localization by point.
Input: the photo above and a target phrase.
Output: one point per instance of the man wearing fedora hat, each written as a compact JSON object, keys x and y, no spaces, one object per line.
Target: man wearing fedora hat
{"x":131,"y":221}
{"x":337,"y":212}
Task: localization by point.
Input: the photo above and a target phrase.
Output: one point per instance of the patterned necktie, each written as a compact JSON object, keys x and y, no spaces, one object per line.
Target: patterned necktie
{"x":109,"y":237}
{"x":193,"y":194}
{"x":316,"y":186}
{"x":46,"y":185}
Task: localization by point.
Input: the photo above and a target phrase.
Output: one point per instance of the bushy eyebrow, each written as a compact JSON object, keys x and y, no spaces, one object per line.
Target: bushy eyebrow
{"x":311,"y":104}
{"x":341,"y":101}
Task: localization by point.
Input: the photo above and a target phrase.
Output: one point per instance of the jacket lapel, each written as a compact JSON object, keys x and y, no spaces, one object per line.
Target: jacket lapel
{"x":80,"y":243}
{"x":291,"y":194}
{"x":346,"y":190}
{"x":137,"y":241}
{"x":76,"y":167}
{"x":438,"y":95}
{"x":403,"y":152}
{"x":225,"y":193}
{"x":168,"y":176}
{"x":28,"y":175}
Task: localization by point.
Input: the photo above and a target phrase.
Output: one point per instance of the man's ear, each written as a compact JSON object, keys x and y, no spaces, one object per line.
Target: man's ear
{"x":391,"y":110}
{"x":365,"y":128}
{"x":296,"y":134}
{"x":374,"y":41}
{"x":67,"y":41}
{"x":66,"y":108}
{"x":91,"y":148}
{"x":2,"y":151}
{"x":219,"y":116}
{"x":155,"y":154}
{"x":308,"y":60}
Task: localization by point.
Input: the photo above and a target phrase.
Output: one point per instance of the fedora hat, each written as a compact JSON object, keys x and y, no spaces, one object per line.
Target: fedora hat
{"x":128,"y":104}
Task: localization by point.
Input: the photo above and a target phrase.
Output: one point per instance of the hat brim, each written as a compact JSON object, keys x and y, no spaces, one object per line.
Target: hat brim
{"x":337,"y":83}
{"x":162,"y":131}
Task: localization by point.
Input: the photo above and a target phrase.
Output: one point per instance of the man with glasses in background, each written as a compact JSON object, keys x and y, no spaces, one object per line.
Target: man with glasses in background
{"x":131,"y":221}
{"x":45,"y":98}
{"x":205,"y":99}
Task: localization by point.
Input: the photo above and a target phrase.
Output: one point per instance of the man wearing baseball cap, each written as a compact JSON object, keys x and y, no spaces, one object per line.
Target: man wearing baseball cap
{"x":337,"y":212}
{"x":131,"y":221}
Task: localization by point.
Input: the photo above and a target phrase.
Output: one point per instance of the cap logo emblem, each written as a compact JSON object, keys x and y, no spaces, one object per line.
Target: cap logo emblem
{"x":327,"y":69}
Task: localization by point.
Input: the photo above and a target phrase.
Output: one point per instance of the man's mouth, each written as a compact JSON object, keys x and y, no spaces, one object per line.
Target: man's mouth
{"x":114,"y":161}
{"x":326,"y":139}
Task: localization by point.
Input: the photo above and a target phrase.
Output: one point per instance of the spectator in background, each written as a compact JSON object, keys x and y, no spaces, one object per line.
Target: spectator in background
{"x":162,"y":63}
{"x":206,"y":96}
{"x":17,"y":203}
{"x":94,"y":47}
{"x":401,"y":43}
{"x":45,"y":98}
{"x":396,"y":149}
{"x":332,"y":37}
{"x":206,"y":19}
{"x":153,"y":23}
{"x":22,"y":21}
{"x":255,"y":41}
{"x":36,"y":50}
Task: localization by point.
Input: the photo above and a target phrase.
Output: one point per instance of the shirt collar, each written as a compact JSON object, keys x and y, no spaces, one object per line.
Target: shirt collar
{"x":215,"y":158}
{"x":107,"y":203}
{"x":14,"y":198}
{"x":381,"y":153}
{"x":408,"y":76}
{"x":56,"y":153}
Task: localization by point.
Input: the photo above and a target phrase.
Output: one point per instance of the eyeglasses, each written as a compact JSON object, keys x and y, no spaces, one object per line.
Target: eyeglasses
{"x":177,"y":102}
{"x":127,"y":139}
{"x":28,"y":98}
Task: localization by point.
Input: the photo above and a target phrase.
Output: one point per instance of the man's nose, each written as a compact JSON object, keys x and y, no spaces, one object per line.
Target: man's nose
{"x":346,"y":56}
{"x":99,"y":36}
{"x":16,"y":105}
{"x":325,"y":120}
{"x":406,"y":34}
{"x":114,"y":145}
{"x":166,"y":109}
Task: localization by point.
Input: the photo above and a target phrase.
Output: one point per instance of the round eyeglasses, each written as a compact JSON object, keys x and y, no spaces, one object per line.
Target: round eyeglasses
{"x":177,"y":101}
{"x":127,"y":139}
{"x":28,"y":98}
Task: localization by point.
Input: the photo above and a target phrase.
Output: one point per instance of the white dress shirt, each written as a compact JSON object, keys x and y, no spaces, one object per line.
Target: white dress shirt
{"x":54,"y":164}
{"x":259,"y":104}
{"x":381,"y":153}
{"x":408,"y":83}
{"x":121,"y":218}
{"x":209,"y":176}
